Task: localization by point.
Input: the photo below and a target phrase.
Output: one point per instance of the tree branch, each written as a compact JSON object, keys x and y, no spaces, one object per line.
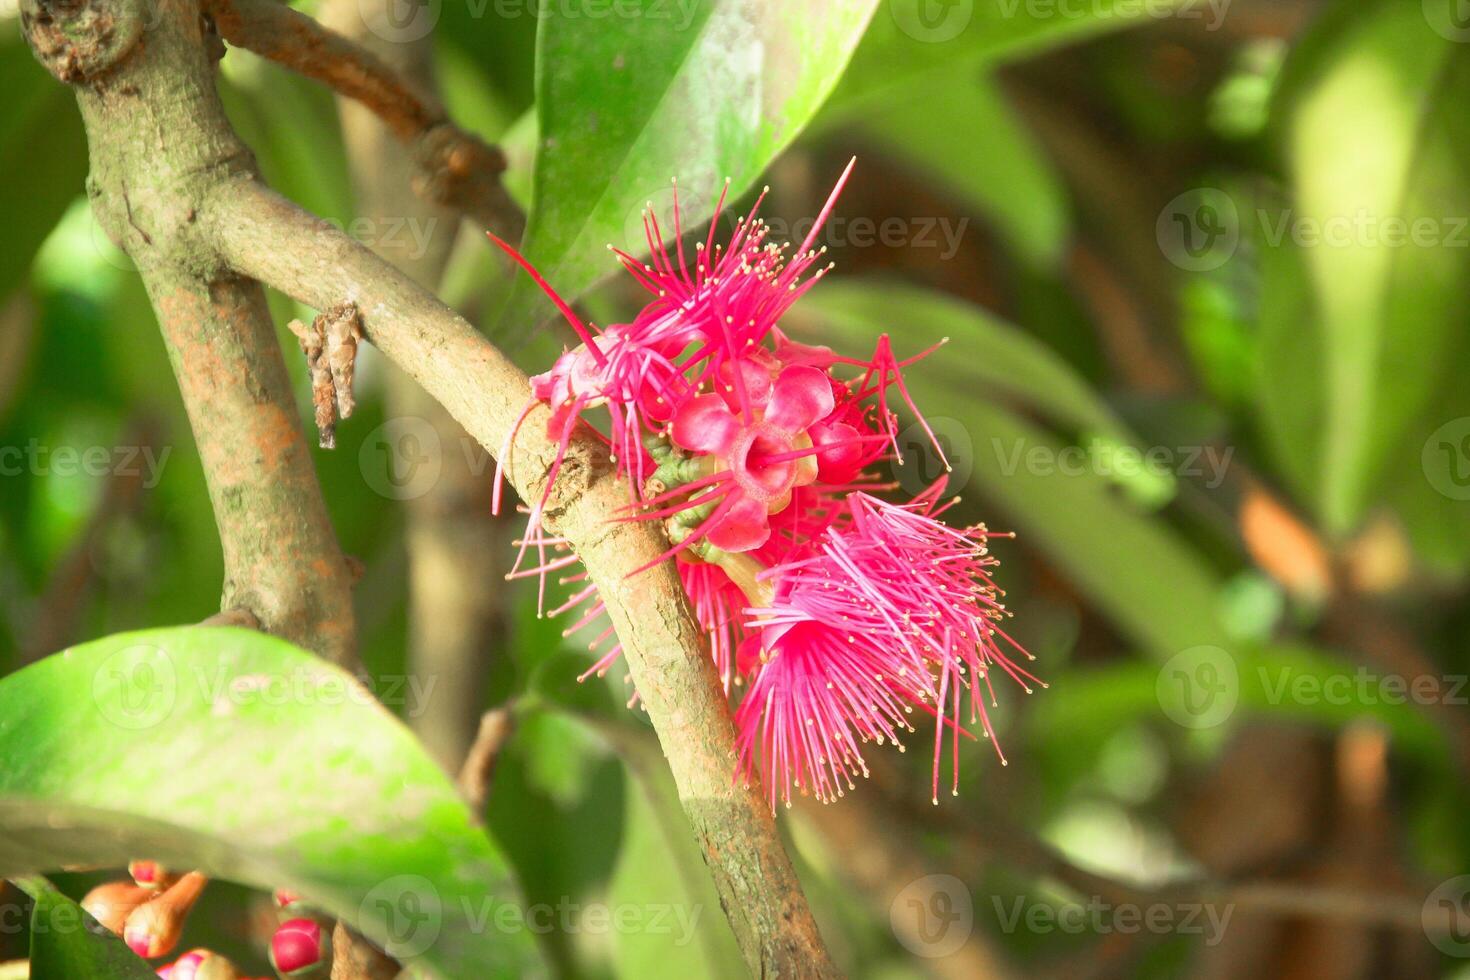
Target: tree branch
{"x":282,"y":561}
{"x":269,"y":238}
{"x":457,"y":550}
{"x":456,"y":168}
{"x":478,"y":770}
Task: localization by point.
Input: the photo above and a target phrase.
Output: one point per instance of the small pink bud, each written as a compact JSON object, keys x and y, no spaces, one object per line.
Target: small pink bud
{"x":285,"y":898}
{"x":186,"y":967}
{"x":300,"y":946}
{"x":215,"y":967}
{"x":152,"y":875}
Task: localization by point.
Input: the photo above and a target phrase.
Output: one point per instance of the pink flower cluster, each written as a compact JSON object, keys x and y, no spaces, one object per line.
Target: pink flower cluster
{"x":838,"y":612}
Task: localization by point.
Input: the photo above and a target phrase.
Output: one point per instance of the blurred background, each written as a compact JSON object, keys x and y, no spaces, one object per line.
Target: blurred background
{"x":1204,"y":270}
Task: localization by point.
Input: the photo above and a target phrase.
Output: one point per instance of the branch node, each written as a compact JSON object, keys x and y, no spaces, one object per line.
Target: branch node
{"x":81,"y":39}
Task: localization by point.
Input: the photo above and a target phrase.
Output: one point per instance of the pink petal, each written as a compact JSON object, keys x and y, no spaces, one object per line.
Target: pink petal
{"x":801,"y":396}
{"x":745,"y":527}
{"x":789,"y":351}
{"x":705,"y":425}
{"x":749,"y":376}
{"x":841,"y":451}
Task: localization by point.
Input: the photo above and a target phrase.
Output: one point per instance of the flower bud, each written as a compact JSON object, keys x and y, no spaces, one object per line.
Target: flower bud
{"x":152,"y":875}
{"x":186,"y":967}
{"x":112,"y":903}
{"x":153,"y":928}
{"x":301,"y":948}
{"x":216,"y":967}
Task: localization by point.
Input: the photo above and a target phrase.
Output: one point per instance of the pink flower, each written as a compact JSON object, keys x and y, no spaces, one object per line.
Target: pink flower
{"x":698,"y":321}
{"x":842,"y":611}
{"x":887,"y":608}
{"x":766,"y":451}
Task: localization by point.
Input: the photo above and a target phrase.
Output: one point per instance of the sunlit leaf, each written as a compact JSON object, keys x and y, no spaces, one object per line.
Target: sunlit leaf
{"x":698,"y":92}
{"x":918,"y":39}
{"x":241,"y":755}
{"x":1373,"y":281}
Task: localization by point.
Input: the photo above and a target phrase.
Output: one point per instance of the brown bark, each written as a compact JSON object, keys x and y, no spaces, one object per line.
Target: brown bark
{"x":282,"y":561}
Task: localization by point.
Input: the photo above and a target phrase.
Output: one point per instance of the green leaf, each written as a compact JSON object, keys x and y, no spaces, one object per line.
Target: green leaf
{"x":698,"y":91}
{"x":989,"y":358}
{"x":40,"y":124}
{"x":67,"y":942}
{"x":241,"y":755}
{"x":1297,"y":682}
{"x":960,"y":132}
{"x":1121,"y":558}
{"x":1352,"y":350}
{"x":916,"y":40}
